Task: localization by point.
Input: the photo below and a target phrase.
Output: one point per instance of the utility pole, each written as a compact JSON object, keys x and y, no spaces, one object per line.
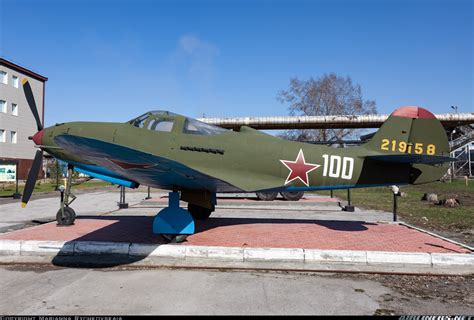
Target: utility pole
{"x":455,"y":108}
{"x":452,"y":162}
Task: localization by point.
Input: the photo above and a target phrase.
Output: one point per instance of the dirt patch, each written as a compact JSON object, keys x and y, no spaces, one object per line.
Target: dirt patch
{"x":464,"y":197}
{"x":448,"y":289}
{"x":462,"y":236}
{"x":414,"y":294}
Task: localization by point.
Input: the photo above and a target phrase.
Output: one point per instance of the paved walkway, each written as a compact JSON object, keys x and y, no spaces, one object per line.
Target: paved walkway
{"x":12,"y":215}
{"x":315,"y":222}
{"x":248,"y":232}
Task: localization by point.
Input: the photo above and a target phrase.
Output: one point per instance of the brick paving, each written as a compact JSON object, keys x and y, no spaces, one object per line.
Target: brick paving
{"x":249,"y":232}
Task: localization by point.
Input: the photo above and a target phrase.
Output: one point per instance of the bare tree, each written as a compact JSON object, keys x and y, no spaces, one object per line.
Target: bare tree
{"x":327,"y":95}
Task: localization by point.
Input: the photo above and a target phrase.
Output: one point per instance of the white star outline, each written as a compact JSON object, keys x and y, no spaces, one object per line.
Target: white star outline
{"x":300,"y":153}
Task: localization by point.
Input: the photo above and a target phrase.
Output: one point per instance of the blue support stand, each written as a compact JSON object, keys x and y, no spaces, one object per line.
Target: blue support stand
{"x":173,"y":220}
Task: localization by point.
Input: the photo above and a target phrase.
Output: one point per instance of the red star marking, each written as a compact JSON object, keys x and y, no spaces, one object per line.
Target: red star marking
{"x":299,"y":169}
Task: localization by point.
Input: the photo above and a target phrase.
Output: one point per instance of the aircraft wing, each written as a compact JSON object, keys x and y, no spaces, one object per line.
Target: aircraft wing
{"x":240,"y":178}
{"x":144,"y":168}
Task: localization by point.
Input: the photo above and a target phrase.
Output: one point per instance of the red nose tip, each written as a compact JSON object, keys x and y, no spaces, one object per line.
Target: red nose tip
{"x":38,"y":137}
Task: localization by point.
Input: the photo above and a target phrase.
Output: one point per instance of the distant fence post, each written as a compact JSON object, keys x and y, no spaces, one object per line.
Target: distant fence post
{"x":395,"y":196}
{"x":148,"y":196}
{"x":16,"y":195}
{"x":122,"y":204}
{"x":349,"y":207}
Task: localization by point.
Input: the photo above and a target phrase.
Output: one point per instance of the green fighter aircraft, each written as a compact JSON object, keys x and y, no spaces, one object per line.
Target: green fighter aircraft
{"x":195,"y":160}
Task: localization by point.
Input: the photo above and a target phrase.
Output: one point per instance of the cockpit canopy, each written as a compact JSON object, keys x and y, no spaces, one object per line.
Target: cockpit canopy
{"x":165,"y":121}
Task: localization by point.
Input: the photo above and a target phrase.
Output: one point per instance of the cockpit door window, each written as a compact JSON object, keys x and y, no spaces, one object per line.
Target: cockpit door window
{"x":163,"y":125}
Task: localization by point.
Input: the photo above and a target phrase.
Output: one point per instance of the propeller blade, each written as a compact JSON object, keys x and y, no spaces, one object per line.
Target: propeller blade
{"x":32,"y":177}
{"x":31,"y":102}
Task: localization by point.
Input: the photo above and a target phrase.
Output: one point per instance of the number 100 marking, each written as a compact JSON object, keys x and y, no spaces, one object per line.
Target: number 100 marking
{"x":333,"y":165}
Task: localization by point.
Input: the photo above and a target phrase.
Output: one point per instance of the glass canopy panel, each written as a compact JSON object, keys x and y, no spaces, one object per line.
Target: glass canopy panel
{"x":139,"y":122}
{"x":193,"y":126}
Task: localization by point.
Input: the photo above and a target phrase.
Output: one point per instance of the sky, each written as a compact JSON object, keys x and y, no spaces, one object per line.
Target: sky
{"x":114,"y":60}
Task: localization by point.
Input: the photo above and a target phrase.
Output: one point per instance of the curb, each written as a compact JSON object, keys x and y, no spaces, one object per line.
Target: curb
{"x":244,"y":257}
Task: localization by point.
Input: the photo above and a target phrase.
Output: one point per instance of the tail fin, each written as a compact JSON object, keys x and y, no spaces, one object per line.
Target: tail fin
{"x":412,"y":135}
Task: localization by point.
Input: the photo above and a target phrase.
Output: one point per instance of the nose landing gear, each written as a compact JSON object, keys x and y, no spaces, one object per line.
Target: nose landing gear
{"x":66,"y":215}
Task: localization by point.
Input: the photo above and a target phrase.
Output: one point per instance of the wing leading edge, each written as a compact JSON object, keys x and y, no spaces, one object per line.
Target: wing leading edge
{"x":143,"y":168}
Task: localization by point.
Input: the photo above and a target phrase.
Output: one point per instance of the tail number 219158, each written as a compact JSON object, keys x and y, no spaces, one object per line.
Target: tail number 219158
{"x":338,"y":167}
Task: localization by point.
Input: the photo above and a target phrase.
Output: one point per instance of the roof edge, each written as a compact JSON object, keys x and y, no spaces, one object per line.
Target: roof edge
{"x":23,"y":70}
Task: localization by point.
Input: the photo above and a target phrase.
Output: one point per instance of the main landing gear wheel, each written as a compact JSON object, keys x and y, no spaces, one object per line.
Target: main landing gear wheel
{"x":66,"y":215}
{"x":199,"y":213}
{"x":68,"y":218}
{"x":175,"y":238}
{"x":292,"y":195}
{"x":267,"y":196}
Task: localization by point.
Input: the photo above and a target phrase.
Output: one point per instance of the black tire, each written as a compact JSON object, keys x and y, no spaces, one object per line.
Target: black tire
{"x":267,"y":196}
{"x":175,"y":238}
{"x":69,"y":217}
{"x":199,"y":213}
{"x":292,"y":195}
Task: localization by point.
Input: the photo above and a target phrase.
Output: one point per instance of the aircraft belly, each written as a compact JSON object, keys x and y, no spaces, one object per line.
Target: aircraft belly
{"x":143,"y":168}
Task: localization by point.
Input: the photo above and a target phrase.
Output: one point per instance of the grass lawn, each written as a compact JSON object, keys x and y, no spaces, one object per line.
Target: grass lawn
{"x":421,"y":213}
{"x":7,"y":190}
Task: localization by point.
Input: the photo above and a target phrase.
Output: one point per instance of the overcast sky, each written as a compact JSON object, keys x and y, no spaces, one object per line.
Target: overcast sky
{"x":114,"y":60}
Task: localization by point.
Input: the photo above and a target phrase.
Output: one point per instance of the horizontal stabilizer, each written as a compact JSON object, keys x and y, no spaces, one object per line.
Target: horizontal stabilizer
{"x":411,"y":158}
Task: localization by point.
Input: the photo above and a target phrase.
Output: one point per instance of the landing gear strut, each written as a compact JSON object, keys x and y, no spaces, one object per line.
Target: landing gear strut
{"x":66,"y":214}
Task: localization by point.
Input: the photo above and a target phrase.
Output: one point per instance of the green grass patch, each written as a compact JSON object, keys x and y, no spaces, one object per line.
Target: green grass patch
{"x":412,"y":210}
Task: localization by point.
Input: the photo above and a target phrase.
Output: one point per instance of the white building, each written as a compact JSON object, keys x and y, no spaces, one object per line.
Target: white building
{"x":16,"y":120}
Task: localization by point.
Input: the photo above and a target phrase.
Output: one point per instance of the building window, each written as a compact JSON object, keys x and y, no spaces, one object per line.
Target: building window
{"x":13,"y":137}
{"x":15,"y":81}
{"x":14,"y":109}
{"x":2,"y":135}
{"x":3,"y":106}
{"x":3,"y":77}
